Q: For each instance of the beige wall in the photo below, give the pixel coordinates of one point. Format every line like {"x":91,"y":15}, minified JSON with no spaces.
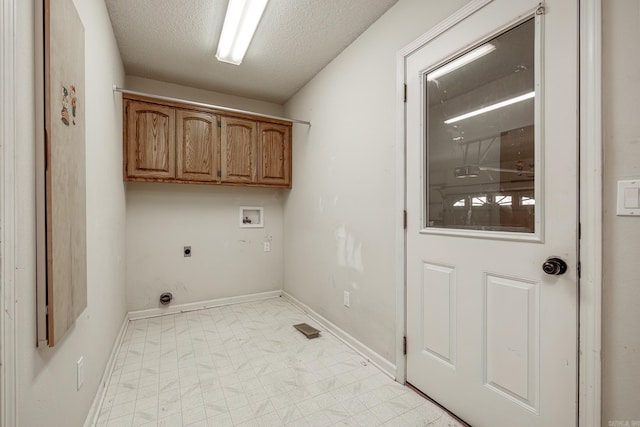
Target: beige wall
{"x":46,"y":378}
{"x":157,"y":87}
{"x":621,"y":287}
{"x":340,"y":215}
{"x":163,"y":218}
{"x":226,"y":260}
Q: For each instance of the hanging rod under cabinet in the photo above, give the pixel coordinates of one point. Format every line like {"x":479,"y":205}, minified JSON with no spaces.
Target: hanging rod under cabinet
{"x":202,"y":104}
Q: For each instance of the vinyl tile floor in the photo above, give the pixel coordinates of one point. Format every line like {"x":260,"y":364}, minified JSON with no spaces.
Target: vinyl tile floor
{"x":245,"y":365}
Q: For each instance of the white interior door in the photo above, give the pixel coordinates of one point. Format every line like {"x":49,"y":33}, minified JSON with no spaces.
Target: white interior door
{"x":491,"y":125}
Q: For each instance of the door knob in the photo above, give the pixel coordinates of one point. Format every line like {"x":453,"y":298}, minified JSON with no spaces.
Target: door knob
{"x":554,"y":266}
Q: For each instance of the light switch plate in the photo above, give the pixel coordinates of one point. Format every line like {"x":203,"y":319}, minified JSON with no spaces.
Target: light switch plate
{"x":628,"y":197}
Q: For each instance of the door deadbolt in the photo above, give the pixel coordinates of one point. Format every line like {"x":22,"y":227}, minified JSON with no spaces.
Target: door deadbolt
{"x":554,"y":266}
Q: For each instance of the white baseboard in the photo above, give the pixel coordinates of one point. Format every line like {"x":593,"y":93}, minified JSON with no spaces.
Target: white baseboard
{"x":374,"y":358}
{"x":201,"y":305}
{"x":96,"y":406}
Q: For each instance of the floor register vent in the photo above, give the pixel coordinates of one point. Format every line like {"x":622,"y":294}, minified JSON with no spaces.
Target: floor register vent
{"x":307,"y":330}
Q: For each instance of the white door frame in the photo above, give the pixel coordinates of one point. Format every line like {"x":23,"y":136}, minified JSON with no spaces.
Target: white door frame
{"x":8,"y":389}
{"x":590,"y":248}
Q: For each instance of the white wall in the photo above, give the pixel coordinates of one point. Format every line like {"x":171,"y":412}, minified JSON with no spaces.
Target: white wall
{"x":47,"y":392}
{"x":621,"y":239}
{"x":163,"y":218}
{"x":156,"y":87}
{"x":340,"y":215}
{"x":226,"y":260}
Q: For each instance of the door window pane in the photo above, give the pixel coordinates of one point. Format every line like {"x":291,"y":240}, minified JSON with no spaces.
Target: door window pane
{"x":480,"y":136}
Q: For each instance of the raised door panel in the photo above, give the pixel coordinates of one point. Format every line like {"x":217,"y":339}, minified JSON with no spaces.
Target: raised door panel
{"x":150,"y":141}
{"x":239,"y":150}
{"x":198,"y":146}
{"x":275,"y":148}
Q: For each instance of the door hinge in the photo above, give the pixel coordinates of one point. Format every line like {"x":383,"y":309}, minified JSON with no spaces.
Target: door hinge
{"x":219,"y":122}
{"x":404,"y":346}
{"x":404,"y":219}
{"x":579,"y":269}
{"x":405,"y":92}
{"x":579,"y":231}
{"x":46,"y":150}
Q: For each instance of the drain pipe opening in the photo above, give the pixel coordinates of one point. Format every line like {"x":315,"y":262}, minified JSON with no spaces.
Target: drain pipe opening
{"x":165,"y":298}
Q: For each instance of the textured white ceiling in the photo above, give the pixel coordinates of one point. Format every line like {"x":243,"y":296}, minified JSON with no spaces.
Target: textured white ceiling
{"x":175,"y":41}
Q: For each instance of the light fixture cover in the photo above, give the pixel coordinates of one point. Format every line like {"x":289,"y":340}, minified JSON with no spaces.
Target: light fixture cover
{"x":467,"y":171}
{"x":240,"y":24}
{"x":492,"y":107}
{"x":471,"y":56}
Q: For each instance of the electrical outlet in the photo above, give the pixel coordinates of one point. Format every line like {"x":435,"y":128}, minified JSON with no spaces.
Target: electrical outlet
{"x":80,"y":371}
{"x":346,"y":299}
{"x":267,"y":246}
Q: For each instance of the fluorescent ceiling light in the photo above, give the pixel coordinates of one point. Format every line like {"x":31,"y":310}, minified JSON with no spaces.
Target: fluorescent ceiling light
{"x":240,"y":24}
{"x":492,"y":107}
{"x":463,"y":60}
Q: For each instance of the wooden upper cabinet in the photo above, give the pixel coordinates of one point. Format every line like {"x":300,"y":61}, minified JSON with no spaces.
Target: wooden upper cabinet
{"x":275,"y":148}
{"x":197,"y":146}
{"x":150,"y":140}
{"x":239,"y":150}
{"x":167,"y":141}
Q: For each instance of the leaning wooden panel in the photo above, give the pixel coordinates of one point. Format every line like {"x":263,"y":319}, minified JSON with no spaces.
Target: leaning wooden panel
{"x":65,"y":185}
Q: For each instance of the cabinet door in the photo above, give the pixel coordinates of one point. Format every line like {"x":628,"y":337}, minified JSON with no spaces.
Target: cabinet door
{"x":197,"y":146}
{"x":275,"y":150}
{"x":239,"y":150}
{"x":150,"y":141}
